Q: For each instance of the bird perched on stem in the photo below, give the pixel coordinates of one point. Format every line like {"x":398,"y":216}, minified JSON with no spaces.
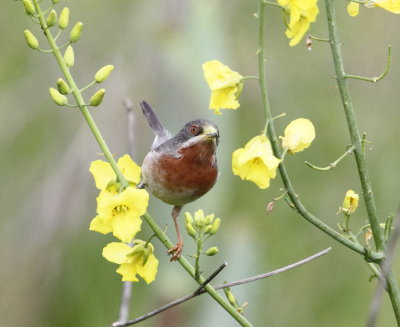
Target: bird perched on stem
{"x":182,"y":168}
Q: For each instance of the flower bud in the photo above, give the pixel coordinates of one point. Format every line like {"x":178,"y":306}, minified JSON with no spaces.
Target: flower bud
{"x":55,"y":1}
{"x":212,"y":251}
{"x":76,"y":32}
{"x":190,"y":230}
{"x":229,"y":295}
{"x":69,"y":56}
{"x":208,"y":229}
{"x":215,"y":226}
{"x":29,"y":7}
{"x":350,"y":202}
{"x":51,"y":19}
{"x":148,"y":250}
{"x":63,"y":87}
{"x":57,"y":97}
{"x":97,"y":98}
{"x":209,"y":219}
{"x":103,"y":73}
{"x":188,"y":218}
{"x":31,"y":40}
{"x":64,"y":18}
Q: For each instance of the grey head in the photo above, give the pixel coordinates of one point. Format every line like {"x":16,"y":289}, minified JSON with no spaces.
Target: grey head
{"x":194,"y":131}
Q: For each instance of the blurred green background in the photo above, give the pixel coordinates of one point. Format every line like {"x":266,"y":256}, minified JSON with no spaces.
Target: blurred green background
{"x":52,"y":272}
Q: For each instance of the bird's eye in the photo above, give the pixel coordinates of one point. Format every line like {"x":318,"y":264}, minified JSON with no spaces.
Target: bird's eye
{"x":194,"y":129}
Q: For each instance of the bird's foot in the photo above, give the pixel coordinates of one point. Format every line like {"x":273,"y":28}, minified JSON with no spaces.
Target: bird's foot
{"x":176,"y":251}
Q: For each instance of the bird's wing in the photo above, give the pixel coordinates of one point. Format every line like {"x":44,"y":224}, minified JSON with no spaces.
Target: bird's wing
{"x":161,"y":133}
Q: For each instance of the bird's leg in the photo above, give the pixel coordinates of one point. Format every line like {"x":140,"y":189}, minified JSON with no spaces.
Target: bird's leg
{"x":176,"y":251}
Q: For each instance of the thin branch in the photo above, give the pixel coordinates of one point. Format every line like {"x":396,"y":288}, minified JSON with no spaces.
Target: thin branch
{"x":386,"y":267}
{"x":377,"y":78}
{"x":333,"y":164}
{"x":274,"y":272}
{"x":200,"y":290}
{"x":131,"y":121}
{"x":125,"y":302}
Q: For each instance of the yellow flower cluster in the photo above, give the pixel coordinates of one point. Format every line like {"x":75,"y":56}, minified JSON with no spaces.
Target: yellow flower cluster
{"x":118,"y":212}
{"x":256,"y":161}
{"x":301,"y":14}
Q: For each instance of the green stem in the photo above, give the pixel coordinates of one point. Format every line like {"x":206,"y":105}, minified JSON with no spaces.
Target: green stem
{"x":199,"y":244}
{"x":78,"y":97}
{"x":189,"y":268}
{"x":333,"y":164}
{"x":374,"y":256}
{"x":358,"y":152}
{"x":107,"y":153}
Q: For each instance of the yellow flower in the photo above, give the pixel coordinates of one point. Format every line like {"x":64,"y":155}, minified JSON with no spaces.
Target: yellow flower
{"x":302,"y":13}
{"x":138,"y":260}
{"x":255,"y":162}
{"x":103,"y":173}
{"x":389,"y":5}
{"x":298,"y":135}
{"x":353,"y":8}
{"x":350,"y":202}
{"x":120,"y":213}
{"x":225,"y":85}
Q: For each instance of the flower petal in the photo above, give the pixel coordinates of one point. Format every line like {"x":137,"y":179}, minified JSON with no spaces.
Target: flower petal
{"x":149,"y":270}
{"x":128,"y":272}
{"x":116,"y":252}
{"x":101,"y":224}
{"x":126,"y":226}
{"x":129,"y":169}
{"x":102,"y":173}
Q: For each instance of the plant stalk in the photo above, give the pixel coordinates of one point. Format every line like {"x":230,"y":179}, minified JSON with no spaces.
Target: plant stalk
{"x":358,"y":152}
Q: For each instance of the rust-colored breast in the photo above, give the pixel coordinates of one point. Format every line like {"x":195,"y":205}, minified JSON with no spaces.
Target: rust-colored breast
{"x":190,"y":176}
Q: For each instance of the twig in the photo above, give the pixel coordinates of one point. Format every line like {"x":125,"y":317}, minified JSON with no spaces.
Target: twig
{"x":200,"y":290}
{"x":274,"y":272}
{"x":386,"y":267}
{"x":131,"y":121}
{"x":125,"y":302}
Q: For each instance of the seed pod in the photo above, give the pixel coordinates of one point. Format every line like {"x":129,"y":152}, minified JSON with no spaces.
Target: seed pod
{"x":97,"y":98}
{"x":212,"y":251}
{"x":29,"y":7}
{"x":103,"y":73}
{"x":69,"y":56}
{"x":31,"y":40}
{"x":57,"y":97}
{"x":76,"y":32}
{"x":51,"y":19}
{"x":64,"y":18}
{"x":63,"y":87}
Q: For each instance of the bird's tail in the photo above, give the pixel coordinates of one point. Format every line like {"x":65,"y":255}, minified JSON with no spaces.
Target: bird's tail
{"x":162,"y":134}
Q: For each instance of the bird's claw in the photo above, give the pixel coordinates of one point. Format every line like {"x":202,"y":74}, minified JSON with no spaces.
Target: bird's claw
{"x":176,"y":251}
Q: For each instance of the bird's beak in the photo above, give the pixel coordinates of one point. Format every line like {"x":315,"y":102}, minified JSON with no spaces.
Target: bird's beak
{"x":211,"y":131}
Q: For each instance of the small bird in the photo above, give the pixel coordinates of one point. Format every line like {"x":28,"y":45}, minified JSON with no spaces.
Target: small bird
{"x":182,"y":168}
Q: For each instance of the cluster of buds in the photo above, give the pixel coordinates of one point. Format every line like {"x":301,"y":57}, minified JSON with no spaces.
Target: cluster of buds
{"x":61,"y":21}
{"x":201,"y":226}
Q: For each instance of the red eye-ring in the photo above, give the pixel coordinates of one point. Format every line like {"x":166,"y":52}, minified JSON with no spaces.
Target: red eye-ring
{"x":194,"y":129}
